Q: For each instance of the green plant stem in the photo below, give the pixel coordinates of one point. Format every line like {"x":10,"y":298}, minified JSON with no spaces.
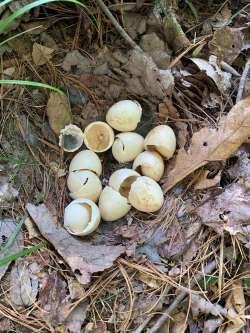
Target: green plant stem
{"x":18,"y":35}
{"x":13,"y":236}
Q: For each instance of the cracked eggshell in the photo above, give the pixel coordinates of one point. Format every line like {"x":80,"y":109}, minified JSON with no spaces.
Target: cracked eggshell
{"x":112,"y":205}
{"x":71,"y":138}
{"x":146,"y":195}
{"x":81,"y":217}
{"x":122,"y":179}
{"x":124,"y":116}
{"x":86,"y":160}
{"x":84,"y":184}
{"x":98,"y":136}
{"x":161,"y":139}
{"x":150,"y":164}
{"x":127,"y":146}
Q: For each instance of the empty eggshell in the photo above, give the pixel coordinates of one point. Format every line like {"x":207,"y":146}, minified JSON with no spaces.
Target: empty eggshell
{"x":112,"y":204}
{"x":127,"y":146}
{"x":81,"y":217}
{"x":146,"y":195}
{"x":124,"y":116}
{"x":98,"y":136}
{"x":122,"y":179}
{"x":71,"y":138}
{"x":161,"y":139}
{"x":149,"y":163}
{"x":86,"y":160}
{"x":84,"y":184}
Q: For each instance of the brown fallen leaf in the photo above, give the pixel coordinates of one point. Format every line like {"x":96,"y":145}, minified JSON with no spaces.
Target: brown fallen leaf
{"x":83,"y":258}
{"x":227,"y":43}
{"x":41,"y":54}
{"x":58,"y":111}
{"x":210,"y":144}
{"x":228,"y":211}
{"x":236,"y":305}
{"x":204,"y":181}
{"x":23,"y":283}
{"x":7,"y":227}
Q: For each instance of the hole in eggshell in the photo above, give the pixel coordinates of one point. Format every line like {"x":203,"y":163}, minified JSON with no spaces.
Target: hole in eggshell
{"x":151,"y":147}
{"x":139,"y":169}
{"x":70,"y":142}
{"x":126,"y":185}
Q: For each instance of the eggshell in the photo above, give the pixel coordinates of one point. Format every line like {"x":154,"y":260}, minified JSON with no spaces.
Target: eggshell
{"x":149,"y":163}
{"x":86,"y":160}
{"x":121,"y":180}
{"x":127,"y":146}
{"x":98,"y":136}
{"x":71,"y":138}
{"x":124,"y":115}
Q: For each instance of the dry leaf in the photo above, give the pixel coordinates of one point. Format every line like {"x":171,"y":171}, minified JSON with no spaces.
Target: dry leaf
{"x":204,"y":182}
{"x":211,"y":325}
{"x":23,"y":283}
{"x":228,"y":211}
{"x":7,"y":192}
{"x":212,"y":144}
{"x":200,"y":305}
{"x":41,"y":54}
{"x":83,"y":257}
{"x":76,"y":318}
{"x":58,"y":111}
{"x":7,"y":227}
{"x":179,"y":324}
{"x":227,"y":43}
{"x":236,"y":309}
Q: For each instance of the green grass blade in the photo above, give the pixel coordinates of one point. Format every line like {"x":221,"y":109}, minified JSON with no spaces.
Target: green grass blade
{"x":18,"y":35}
{"x":13,"y":236}
{"x":10,"y":159}
{"x":23,"y":253}
{"x":5,"y":2}
{"x":32,"y":84}
{"x":193,"y":9}
{"x":9,"y":19}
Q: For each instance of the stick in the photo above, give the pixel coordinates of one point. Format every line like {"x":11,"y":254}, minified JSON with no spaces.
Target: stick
{"x":243,"y":81}
{"x":162,"y":319}
{"x":121,"y":31}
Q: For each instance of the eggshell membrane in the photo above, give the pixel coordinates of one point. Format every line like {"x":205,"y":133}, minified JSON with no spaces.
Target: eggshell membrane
{"x":146,"y":195}
{"x":81,"y":217}
{"x":112,"y":205}
{"x":124,"y":115}
{"x":150,"y":164}
{"x":84,"y":184}
{"x":127,"y":146}
{"x":71,"y":138}
{"x":98,"y":136}
{"x":161,"y":139}
{"x":122,"y":179}
{"x":86,"y":160}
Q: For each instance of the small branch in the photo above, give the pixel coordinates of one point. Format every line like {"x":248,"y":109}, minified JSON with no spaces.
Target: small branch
{"x":118,"y":27}
{"x":243,"y":81}
{"x":162,"y":319}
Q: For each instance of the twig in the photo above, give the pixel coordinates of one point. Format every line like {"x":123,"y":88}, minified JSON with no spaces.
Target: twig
{"x":243,"y":81}
{"x":121,"y":31}
{"x":161,"y":320}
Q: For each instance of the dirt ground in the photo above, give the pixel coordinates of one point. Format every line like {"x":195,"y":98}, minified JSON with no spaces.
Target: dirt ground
{"x":182,"y":269}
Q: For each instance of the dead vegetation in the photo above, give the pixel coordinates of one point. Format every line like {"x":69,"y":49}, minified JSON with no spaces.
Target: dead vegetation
{"x":185,"y":269}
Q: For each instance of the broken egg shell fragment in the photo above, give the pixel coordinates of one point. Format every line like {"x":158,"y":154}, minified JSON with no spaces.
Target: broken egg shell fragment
{"x":150,"y":164}
{"x":124,"y":115}
{"x":71,"y":138}
{"x":98,"y":136}
{"x":112,"y":205}
{"x":162,"y":140}
{"x":84,"y":184}
{"x":127,"y":146}
{"x":146,"y":195}
{"x":86,"y":160}
{"x":81,"y":217}
{"x":121,"y":180}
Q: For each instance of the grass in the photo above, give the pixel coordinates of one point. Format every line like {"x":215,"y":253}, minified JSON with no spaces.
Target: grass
{"x":32,"y":84}
{"x":13,"y":236}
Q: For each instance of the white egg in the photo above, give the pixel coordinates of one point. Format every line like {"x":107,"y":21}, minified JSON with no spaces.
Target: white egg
{"x":84,"y":184}
{"x":127,"y":146}
{"x":162,"y":140}
{"x":81,"y":217}
{"x":121,"y":180}
{"x":149,"y":163}
{"x":112,"y":204}
{"x":86,"y":160}
{"x":98,"y":136}
{"x":146,"y":195}
{"x":71,"y":138}
{"x":124,"y":116}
